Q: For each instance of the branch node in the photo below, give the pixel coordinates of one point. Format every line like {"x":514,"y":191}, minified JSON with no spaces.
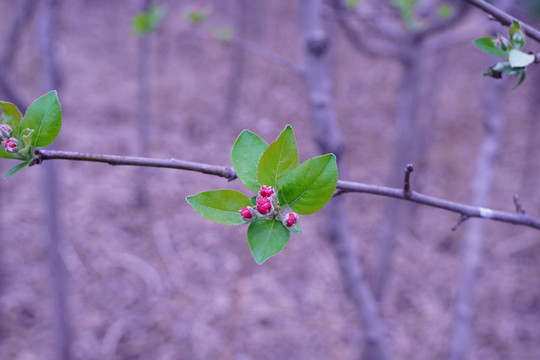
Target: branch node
{"x":519,"y":208}
{"x":461,"y":220}
{"x":407,"y":191}
{"x":230,"y":174}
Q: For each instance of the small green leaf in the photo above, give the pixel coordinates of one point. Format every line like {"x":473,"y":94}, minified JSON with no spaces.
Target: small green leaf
{"x":266,"y":238}
{"x":490,"y":45}
{"x":309,"y":187}
{"x":16,"y":168}
{"x":245,"y":155}
{"x":518,"y":58}
{"x":44,"y":116}
{"x":220,"y":206}
{"x":278,"y":160}
{"x":445,"y":11}
{"x":146,"y":22}
{"x":198,"y":14}
{"x":521,"y":79}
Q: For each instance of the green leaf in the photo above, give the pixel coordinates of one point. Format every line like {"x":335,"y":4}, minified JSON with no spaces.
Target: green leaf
{"x":488,"y":45}
{"x":309,"y":187}
{"x":266,"y":238}
{"x":146,"y":22}
{"x":518,"y":58}
{"x":16,"y":168}
{"x":220,"y":206}
{"x":521,"y":79}
{"x":44,"y":116}
{"x":245,"y":155}
{"x":10,"y":115}
{"x":278,"y":160}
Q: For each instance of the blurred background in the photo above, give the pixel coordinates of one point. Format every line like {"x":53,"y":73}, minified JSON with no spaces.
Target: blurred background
{"x":102,"y":262}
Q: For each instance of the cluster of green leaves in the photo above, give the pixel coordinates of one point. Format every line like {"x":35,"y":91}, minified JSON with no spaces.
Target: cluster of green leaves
{"x":147,"y":21}
{"x":509,"y":50}
{"x":303,"y":188}
{"x":38,"y":128}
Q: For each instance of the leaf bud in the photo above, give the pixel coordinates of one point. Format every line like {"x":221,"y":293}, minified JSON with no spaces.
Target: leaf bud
{"x":5,"y":131}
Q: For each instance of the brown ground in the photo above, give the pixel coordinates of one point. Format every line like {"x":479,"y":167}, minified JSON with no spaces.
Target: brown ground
{"x":163,"y":283}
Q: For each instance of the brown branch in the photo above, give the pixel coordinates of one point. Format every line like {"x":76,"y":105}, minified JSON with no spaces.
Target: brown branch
{"x":343,"y":186}
{"x":505,"y":18}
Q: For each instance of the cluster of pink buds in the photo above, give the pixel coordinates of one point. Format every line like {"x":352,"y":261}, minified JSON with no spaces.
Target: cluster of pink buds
{"x":267,"y":206}
{"x":10,"y":144}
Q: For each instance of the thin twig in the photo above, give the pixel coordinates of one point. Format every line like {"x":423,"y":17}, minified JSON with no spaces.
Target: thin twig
{"x":344,"y":186}
{"x":266,"y":54}
{"x":505,"y":18}
{"x":407,"y":184}
{"x":517,"y":203}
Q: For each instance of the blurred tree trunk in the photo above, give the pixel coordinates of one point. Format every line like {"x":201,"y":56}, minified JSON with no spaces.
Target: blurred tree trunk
{"x":406,"y":151}
{"x":51,"y":191}
{"x":329,"y":139}
{"x":24,"y":14}
{"x":482,"y":181}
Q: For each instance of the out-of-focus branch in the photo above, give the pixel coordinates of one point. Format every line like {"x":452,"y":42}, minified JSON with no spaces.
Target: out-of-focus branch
{"x":227,"y":172}
{"x":504,"y":18}
{"x":366,"y":43}
{"x":266,"y":54}
{"x":473,"y":235}
{"x":443,"y":24}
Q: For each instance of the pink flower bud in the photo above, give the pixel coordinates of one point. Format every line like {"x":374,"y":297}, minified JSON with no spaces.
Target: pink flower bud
{"x":290,"y":220}
{"x":5,"y":131}
{"x":264,"y":206}
{"x":266,"y":191}
{"x":246,"y":213}
{"x":11,"y":145}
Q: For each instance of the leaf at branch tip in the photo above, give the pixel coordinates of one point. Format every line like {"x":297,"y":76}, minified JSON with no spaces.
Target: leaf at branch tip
{"x":16,"y":168}
{"x":245,"y":154}
{"x":44,"y":116}
{"x":488,"y":45}
{"x":309,"y":187}
{"x":278,"y":160}
{"x":266,"y":238}
{"x":518,"y":58}
{"x":220,"y":206}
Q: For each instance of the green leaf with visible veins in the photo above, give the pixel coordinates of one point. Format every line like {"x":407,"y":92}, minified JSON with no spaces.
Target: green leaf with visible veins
{"x":44,"y":116}
{"x":309,"y":187}
{"x":266,"y":238}
{"x":245,"y":155}
{"x":220,"y":206}
{"x":278,"y":160}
